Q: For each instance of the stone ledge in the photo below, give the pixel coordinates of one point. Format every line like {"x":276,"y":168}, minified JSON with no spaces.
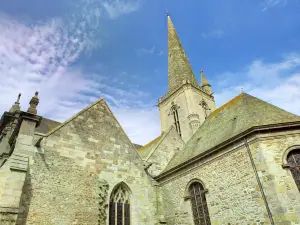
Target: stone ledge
{"x":19,"y":162}
{"x":9,"y":210}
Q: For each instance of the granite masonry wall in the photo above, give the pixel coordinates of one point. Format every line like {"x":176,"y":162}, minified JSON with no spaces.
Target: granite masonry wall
{"x":70,"y":180}
{"x":168,"y":146}
{"x":269,"y":153}
{"x":233,"y":195}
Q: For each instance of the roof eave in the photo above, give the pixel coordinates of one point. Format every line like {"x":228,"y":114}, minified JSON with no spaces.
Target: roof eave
{"x":250,"y":131}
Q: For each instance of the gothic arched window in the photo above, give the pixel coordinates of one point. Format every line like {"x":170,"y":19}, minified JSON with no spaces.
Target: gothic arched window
{"x":174,"y":113}
{"x":293,"y":160}
{"x":119,"y":206}
{"x":199,"y":205}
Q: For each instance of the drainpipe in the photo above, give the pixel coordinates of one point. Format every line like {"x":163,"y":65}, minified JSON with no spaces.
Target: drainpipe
{"x":259,"y":182}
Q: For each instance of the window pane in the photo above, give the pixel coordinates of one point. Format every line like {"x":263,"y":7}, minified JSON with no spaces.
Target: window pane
{"x":294,"y":161}
{"x":198,"y":203}
{"x":119,"y":213}
{"x":112,"y":211}
{"x":127,"y":214}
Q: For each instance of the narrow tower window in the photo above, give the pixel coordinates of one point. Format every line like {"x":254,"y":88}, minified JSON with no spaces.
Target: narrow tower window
{"x":174,"y":112}
{"x":199,"y":205}
{"x":294,"y":163}
{"x":119,"y":206}
{"x":205,"y":107}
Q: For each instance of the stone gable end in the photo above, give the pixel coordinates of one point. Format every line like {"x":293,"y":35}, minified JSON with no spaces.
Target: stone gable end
{"x":82,"y":161}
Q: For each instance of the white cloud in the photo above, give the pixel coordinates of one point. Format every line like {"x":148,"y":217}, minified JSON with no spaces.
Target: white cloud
{"x":116,"y":8}
{"x":149,"y":51}
{"x":142,"y":124}
{"x":272,"y":3}
{"x":145,"y":51}
{"x":277,"y":83}
{"x":40,"y":57}
{"x":217,"y":34}
{"x":160,"y":53}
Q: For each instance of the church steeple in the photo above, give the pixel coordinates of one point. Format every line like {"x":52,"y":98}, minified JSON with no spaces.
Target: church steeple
{"x":179,"y":68}
{"x":205,"y":85}
{"x":187,"y":104}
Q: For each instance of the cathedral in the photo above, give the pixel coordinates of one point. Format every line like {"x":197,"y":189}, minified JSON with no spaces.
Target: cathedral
{"x":236,"y":164}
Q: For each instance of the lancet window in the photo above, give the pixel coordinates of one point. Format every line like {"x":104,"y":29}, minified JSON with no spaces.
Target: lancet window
{"x":174,"y":113}
{"x":199,"y":205}
{"x":293,"y":160}
{"x":119,"y":206}
{"x":205,"y":107}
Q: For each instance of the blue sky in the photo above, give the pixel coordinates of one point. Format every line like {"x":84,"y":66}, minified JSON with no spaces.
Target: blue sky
{"x":74,"y":52}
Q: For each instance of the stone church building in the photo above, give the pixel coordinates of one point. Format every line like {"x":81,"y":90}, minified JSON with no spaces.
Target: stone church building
{"x":236,"y":164}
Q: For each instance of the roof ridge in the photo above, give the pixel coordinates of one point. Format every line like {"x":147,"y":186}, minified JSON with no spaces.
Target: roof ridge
{"x":163,"y":136}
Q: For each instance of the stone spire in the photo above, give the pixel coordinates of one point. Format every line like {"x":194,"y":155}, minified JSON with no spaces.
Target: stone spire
{"x":204,"y":81}
{"x":179,"y":68}
{"x":205,"y":85}
{"x":33,"y":104}
{"x":16,"y":106}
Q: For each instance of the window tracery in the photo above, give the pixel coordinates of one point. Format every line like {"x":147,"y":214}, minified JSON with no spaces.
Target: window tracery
{"x":199,"y":205}
{"x":293,"y":160}
{"x":174,"y":112}
{"x":119,"y":206}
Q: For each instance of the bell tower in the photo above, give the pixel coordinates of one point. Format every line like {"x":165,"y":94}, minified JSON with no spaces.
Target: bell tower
{"x":186,"y":104}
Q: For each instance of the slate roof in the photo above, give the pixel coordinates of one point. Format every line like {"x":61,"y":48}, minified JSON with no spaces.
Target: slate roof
{"x":145,"y":150}
{"x":238,"y":115}
{"x":46,"y":125}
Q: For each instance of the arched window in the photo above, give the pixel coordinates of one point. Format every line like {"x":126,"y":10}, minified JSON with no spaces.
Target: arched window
{"x":119,"y":206}
{"x":174,"y":112}
{"x":199,"y":205}
{"x":293,"y":160}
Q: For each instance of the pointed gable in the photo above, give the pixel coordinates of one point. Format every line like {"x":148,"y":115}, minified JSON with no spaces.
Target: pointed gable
{"x":93,"y":137}
{"x":236,"y":116}
{"x":179,"y":68}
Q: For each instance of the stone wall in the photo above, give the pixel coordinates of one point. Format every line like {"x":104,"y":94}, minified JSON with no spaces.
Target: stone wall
{"x":280,"y":189}
{"x":233,"y":194}
{"x":188,"y":99}
{"x":80,"y":163}
{"x":169,"y":145}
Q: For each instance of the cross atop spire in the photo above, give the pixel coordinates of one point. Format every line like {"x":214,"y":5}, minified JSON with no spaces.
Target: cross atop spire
{"x":179,"y":68}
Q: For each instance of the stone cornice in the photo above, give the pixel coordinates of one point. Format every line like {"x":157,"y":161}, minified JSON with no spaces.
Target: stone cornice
{"x":235,"y":139}
{"x":186,"y":84}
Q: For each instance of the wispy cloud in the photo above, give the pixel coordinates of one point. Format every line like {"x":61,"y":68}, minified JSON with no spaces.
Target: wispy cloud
{"x":277,"y":83}
{"x":116,"y":8}
{"x":217,"y":34}
{"x":145,"y":51}
{"x":272,"y":3}
{"x":149,"y":51}
{"x":41,"y":57}
{"x":160,"y":53}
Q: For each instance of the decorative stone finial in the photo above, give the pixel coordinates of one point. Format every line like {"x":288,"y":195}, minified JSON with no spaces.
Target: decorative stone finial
{"x":204,"y":81}
{"x":16,"y":106}
{"x":33,"y":103}
{"x":18,"y":100}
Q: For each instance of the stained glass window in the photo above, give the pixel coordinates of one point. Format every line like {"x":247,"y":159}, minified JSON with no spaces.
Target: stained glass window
{"x":294,"y":163}
{"x":119,"y":206}
{"x":199,"y":205}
